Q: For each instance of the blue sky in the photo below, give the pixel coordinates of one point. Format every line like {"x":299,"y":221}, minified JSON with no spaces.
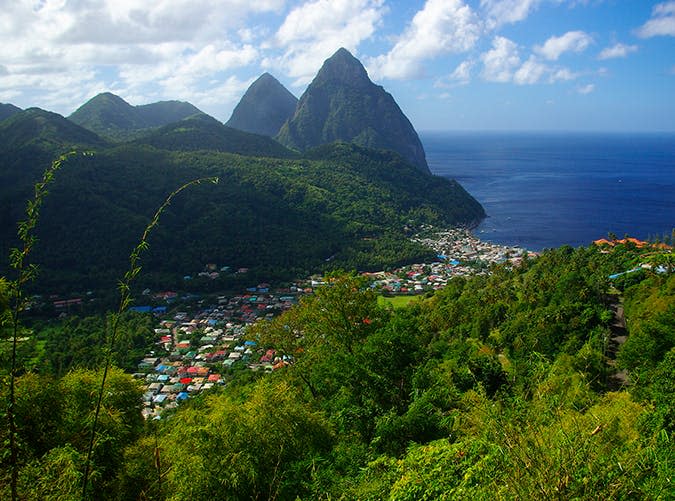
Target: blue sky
{"x":600,"y":65}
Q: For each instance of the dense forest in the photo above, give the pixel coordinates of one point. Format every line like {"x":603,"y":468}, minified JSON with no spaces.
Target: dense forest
{"x":339,"y":206}
{"x":500,"y":386}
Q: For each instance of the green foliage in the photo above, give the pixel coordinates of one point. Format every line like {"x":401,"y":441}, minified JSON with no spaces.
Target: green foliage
{"x":113,"y":118}
{"x":495,"y":387}
{"x":52,"y":418}
{"x":78,"y":342}
{"x":259,"y":444}
{"x":202,"y":132}
{"x":344,"y":207}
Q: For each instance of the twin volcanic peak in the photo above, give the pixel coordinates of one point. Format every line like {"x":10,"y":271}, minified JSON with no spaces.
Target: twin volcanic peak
{"x":342,"y":104}
{"x":264,"y":108}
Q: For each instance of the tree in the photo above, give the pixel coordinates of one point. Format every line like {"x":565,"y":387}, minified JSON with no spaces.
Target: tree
{"x":258,"y":444}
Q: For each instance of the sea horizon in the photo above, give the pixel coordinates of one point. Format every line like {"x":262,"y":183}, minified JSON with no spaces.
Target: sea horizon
{"x":543,"y":189}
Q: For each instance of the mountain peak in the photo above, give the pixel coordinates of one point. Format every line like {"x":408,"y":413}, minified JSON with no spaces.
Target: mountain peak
{"x":264,"y":108}
{"x":344,"y":67}
{"x":112,"y":117}
{"x":342,"y":104}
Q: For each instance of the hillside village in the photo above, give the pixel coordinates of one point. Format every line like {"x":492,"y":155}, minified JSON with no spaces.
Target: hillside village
{"x":196,"y":351}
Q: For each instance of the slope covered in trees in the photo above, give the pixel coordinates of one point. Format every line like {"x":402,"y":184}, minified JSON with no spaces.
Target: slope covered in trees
{"x":494,"y":388}
{"x":203,"y":132}
{"x":283,"y":218}
{"x":7,"y":110}
{"x":112,"y":117}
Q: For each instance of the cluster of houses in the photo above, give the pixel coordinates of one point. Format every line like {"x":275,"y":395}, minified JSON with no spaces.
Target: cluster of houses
{"x":459,"y":254}
{"x":200,"y":348}
{"x":196,"y":350}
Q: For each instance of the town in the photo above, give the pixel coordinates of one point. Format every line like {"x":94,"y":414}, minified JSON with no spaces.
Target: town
{"x":200,"y":347}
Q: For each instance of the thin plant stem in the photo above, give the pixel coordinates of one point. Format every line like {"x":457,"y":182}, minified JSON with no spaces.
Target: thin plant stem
{"x":25,"y":273}
{"x":124,"y":288}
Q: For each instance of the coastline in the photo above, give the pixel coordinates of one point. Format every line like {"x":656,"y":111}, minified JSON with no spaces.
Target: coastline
{"x":459,"y":253}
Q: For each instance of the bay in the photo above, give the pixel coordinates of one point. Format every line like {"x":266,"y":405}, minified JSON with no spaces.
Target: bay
{"x":543,"y":190}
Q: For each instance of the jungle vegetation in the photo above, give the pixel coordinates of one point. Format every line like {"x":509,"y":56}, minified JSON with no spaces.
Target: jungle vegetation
{"x":496,"y":387}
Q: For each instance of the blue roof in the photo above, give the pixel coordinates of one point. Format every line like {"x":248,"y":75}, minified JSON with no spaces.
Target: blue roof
{"x":141,"y":309}
{"x":183,"y":395}
{"x":250,"y":343}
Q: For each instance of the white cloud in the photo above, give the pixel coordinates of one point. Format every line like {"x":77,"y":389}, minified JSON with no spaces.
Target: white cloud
{"x":500,"y":63}
{"x":531,"y":72}
{"x":315,"y":30}
{"x":463,"y":72}
{"x":572,"y":41}
{"x":43,"y":44}
{"x":503,"y":64}
{"x":562,"y":75}
{"x":586,"y":89}
{"x":618,"y":50}
{"x":662,"y":21}
{"x":441,"y":27}
{"x":500,"y":12}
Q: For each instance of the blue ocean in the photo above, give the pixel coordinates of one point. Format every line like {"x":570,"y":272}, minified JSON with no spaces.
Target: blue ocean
{"x":543,"y":190}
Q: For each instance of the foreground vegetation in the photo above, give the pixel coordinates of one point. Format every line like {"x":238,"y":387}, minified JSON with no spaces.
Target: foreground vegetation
{"x":497,"y":387}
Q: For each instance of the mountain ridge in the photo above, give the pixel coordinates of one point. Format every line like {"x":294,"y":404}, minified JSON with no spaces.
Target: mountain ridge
{"x":112,"y":117}
{"x":203,"y":132}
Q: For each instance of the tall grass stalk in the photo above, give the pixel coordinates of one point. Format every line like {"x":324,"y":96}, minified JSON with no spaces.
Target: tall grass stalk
{"x":124,"y":288}
{"x":18,"y":259}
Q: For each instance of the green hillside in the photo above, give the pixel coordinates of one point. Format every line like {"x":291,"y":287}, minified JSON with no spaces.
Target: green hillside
{"x":497,"y":387}
{"x":7,"y":110}
{"x":341,"y":206}
{"x":203,"y":132}
{"x":112,"y":117}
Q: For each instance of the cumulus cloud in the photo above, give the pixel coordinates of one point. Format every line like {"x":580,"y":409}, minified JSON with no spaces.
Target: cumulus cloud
{"x":441,"y":27}
{"x":501,"y":12}
{"x":461,"y":75}
{"x":313,"y":31}
{"x":500,"y":62}
{"x":503,"y":64}
{"x":531,"y":72}
{"x":618,"y":50}
{"x":572,"y":41}
{"x":662,"y":21}
{"x":44,"y":43}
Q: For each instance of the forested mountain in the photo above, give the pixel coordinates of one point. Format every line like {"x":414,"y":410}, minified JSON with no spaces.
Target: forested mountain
{"x":342,"y":104}
{"x":45,"y":130}
{"x":264,"y":108}
{"x":341,"y":206}
{"x":7,"y":110}
{"x":112,"y":117}
{"x":203,"y":132}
